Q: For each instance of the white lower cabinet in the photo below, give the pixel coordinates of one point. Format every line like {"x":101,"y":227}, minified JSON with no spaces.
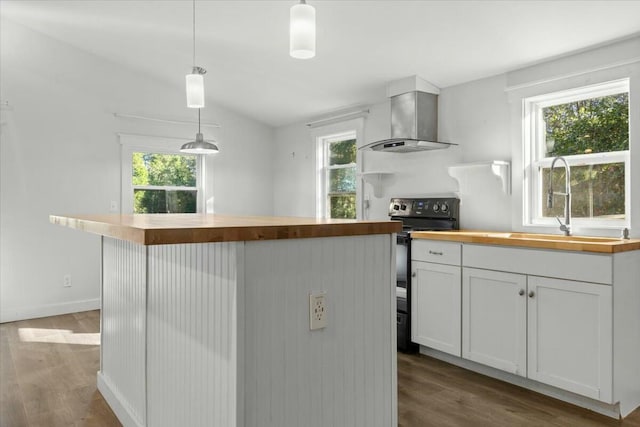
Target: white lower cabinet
{"x":435,"y":306}
{"x":494,"y":319}
{"x":570,"y":335}
{"x":568,"y":320}
{"x":557,"y":332}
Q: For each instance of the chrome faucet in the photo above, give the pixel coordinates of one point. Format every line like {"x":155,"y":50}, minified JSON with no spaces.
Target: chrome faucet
{"x":566,"y":227}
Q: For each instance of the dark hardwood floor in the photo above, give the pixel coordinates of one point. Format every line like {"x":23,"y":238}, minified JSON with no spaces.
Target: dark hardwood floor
{"x":48,"y":378}
{"x":435,"y":393}
{"x":48,"y":373}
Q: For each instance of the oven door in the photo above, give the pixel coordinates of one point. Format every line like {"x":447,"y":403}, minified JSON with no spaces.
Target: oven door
{"x":403,"y":293}
{"x":402,"y":262}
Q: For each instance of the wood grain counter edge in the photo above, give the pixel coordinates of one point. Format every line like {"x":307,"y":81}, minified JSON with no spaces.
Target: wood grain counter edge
{"x":275,"y":229}
{"x":566,"y":245}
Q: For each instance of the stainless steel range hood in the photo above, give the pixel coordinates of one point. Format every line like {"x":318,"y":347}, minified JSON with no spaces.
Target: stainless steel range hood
{"x":414,"y":124}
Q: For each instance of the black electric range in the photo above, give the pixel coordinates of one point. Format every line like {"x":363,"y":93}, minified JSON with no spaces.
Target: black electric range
{"x":416,"y":214}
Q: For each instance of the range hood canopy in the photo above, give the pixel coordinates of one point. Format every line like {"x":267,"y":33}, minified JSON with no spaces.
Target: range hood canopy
{"x":414,"y":124}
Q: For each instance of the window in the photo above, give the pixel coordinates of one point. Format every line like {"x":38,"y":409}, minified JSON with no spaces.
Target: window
{"x":164,"y":183}
{"x":589,"y":127}
{"x":157,"y":178}
{"x":337,"y":183}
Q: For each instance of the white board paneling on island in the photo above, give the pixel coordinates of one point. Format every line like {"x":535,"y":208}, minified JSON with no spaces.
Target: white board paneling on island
{"x":192,"y":315}
{"x":123,"y":344}
{"x":331,"y":376}
{"x":217,"y":334}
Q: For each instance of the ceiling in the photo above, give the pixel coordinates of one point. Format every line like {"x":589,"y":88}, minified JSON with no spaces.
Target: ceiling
{"x":361,"y":45}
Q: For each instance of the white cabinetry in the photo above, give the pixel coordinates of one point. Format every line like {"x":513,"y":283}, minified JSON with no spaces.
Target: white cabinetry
{"x":435,"y":290}
{"x":562,"y":327}
{"x":563,"y":323}
{"x":494,"y":314}
{"x":570,"y":336}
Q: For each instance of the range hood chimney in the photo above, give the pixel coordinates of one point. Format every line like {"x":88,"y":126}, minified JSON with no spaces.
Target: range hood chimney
{"x":414,"y":124}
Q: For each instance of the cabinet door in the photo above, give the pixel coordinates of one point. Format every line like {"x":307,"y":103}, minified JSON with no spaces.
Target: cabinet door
{"x":436,"y":306}
{"x":494,"y":316}
{"x":570,"y":336}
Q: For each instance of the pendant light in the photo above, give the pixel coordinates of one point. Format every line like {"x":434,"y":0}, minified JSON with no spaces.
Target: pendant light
{"x":195,"y":80}
{"x":199,"y":146}
{"x":302,"y":31}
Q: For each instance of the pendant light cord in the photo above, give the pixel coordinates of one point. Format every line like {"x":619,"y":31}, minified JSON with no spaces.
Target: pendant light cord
{"x":194,"y":33}
{"x":199,"y":120}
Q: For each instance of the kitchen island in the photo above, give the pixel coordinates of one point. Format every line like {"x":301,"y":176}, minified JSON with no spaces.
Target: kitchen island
{"x":206,"y":320}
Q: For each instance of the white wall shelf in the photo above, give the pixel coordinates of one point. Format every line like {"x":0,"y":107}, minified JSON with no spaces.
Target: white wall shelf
{"x":501,"y":169}
{"x":376,"y":179}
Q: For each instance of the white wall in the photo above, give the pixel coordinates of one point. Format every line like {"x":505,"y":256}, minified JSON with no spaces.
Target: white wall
{"x":294,"y":172}
{"x":474,"y":116}
{"x":60,"y":154}
{"x":479,"y":117}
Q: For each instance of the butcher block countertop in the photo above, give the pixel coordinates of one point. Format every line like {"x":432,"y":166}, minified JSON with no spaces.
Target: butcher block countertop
{"x":533,"y":240}
{"x":162,"y":229}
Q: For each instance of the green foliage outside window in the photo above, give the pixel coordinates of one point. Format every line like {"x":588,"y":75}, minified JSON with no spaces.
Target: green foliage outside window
{"x":342,"y":179}
{"x":343,"y":206}
{"x":596,"y":191}
{"x":595,"y":125}
{"x":172,"y":170}
{"x":342,"y":152}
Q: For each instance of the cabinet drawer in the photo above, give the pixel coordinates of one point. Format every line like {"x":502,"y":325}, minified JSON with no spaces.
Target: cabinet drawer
{"x":436,"y":251}
{"x":595,"y":268}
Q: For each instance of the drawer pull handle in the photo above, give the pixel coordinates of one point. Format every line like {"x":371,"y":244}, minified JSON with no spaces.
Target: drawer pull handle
{"x":532,"y":294}
{"x":413,"y":274}
{"x":434,"y":252}
{"x":521,"y":292}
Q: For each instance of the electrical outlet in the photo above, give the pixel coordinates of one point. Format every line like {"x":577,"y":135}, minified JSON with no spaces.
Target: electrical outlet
{"x":66,"y":281}
{"x":317,"y":310}
{"x":113,"y":207}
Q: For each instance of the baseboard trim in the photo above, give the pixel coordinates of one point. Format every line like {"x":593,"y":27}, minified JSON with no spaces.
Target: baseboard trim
{"x":609,"y":410}
{"x":24,"y":313}
{"x":116,"y":403}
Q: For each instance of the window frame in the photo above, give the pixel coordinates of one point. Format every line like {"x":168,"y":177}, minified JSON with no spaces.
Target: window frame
{"x":534,"y":151}
{"x":323,"y":194}
{"x":158,"y":146}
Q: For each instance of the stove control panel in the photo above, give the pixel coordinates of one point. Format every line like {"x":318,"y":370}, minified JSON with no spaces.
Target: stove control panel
{"x":433,"y":207}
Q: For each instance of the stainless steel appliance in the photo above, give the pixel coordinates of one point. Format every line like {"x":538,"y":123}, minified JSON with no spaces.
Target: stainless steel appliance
{"x":416,"y":214}
{"x":414,"y":124}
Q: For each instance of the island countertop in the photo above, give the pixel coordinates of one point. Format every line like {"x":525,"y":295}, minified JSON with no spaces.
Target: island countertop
{"x":162,"y":229}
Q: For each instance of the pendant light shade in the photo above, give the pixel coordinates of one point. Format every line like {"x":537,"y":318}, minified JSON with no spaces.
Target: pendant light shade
{"x":199,"y":146}
{"x":195,"y":88}
{"x":302,"y":31}
{"x":195,"y":80}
